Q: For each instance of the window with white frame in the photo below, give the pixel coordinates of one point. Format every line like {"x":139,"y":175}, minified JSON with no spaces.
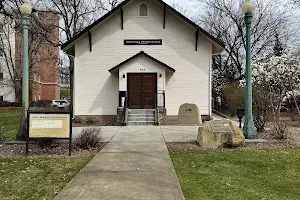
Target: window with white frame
{"x":143,"y":10}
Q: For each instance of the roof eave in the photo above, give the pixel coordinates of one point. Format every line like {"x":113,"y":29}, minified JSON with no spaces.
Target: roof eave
{"x":137,"y":55}
{"x":217,"y":49}
{"x":84,"y":31}
{"x":72,"y":40}
{"x":219,"y":42}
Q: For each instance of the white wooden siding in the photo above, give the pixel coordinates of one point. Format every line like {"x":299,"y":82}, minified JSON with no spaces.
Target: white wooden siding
{"x":97,"y":90}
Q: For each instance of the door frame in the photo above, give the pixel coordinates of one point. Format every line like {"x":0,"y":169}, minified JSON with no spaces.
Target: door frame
{"x":155,"y":74}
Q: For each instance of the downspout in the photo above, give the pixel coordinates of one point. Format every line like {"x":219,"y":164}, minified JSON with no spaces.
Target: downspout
{"x":71,"y":68}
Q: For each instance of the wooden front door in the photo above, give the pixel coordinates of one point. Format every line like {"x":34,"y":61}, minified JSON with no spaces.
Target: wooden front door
{"x":142,"y":91}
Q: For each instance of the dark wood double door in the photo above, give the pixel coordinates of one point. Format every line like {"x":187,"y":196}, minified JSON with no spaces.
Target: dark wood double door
{"x":142,"y":91}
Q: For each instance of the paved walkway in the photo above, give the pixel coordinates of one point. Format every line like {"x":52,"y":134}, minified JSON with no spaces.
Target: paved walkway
{"x":169,"y":133}
{"x":135,"y":165}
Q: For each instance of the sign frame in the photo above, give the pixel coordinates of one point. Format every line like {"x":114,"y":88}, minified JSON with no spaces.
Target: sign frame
{"x":28,"y":138}
{"x":143,"y":42}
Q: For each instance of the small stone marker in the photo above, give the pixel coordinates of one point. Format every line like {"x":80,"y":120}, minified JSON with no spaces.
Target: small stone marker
{"x":220,"y":133}
{"x":189,"y":114}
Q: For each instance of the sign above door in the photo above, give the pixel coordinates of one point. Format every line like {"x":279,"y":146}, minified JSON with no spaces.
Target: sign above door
{"x":142,"y":42}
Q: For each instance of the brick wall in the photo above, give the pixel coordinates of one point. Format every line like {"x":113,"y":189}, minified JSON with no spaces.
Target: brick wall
{"x":44,"y":66}
{"x":50,"y":92}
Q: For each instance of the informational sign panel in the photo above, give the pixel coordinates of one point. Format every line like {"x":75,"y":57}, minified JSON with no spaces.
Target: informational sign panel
{"x":49,"y":125}
{"x":142,"y":42}
{"x":221,"y":127}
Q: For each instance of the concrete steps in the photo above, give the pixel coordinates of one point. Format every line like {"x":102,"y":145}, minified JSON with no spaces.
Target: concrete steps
{"x":138,"y":117}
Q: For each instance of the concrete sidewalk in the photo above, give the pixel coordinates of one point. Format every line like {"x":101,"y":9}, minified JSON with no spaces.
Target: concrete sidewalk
{"x":135,"y":165}
{"x":169,"y":133}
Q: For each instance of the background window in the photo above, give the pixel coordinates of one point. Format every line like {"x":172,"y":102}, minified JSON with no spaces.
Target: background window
{"x":143,"y":10}
{"x":1,"y":76}
{"x":1,"y":52}
{"x":1,"y":98}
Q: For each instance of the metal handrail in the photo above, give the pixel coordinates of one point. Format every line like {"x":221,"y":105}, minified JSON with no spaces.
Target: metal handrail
{"x":125,"y":107}
{"x":158,"y":101}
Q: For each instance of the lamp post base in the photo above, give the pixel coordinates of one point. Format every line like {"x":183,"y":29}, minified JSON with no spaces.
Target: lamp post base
{"x":250,"y":130}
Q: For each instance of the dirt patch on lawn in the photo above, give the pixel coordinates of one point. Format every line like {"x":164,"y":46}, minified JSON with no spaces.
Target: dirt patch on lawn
{"x":56,"y":149}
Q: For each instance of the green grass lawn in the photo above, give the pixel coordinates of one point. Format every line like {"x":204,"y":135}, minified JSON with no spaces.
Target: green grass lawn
{"x":37,"y":178}
{"x":10,"y":120}
{"x":64,"y":92}
{"x":254,"y":174}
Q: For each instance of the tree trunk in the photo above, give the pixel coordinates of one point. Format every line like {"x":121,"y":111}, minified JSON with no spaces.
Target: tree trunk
{"x":296,"y":104}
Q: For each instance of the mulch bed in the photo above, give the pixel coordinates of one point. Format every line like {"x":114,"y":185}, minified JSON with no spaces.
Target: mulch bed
{"x":292,"y":135}
{"x":62,"y":149}
{"x":56,"y":149}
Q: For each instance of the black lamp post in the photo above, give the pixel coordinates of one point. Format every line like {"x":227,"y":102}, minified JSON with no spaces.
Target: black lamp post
{"x":240,"y":112}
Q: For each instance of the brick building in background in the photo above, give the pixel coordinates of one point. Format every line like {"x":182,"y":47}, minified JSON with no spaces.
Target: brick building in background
{"x":44,"y":71}
{"x":44,"y":76}
{"x":49,"y":83}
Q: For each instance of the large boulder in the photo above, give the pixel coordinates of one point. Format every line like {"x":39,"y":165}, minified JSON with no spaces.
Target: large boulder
{"x":220,"y":133}
{"x":189,"y":114}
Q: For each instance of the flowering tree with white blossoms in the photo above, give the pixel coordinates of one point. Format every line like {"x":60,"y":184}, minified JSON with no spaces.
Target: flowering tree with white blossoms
{"x":280,"y":75}
{"x":218,"y":82}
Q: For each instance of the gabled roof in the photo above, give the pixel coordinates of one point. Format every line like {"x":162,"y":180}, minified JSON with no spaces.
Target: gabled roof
{"x":137,"y":55}
{"x":219,"y":42}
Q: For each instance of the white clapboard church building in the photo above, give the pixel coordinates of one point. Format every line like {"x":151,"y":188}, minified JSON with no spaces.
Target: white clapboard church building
{"x":139,"y":63}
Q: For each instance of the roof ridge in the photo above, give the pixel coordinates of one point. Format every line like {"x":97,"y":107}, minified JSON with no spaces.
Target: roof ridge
{"x":187,"y":20}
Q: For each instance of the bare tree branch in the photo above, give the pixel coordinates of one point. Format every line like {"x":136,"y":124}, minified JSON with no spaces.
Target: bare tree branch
{"x":225,"y":20}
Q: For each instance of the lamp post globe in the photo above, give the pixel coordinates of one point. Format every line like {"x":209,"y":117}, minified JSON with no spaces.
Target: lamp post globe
{"x":248,"y":7}
{"x":249,"y":128}
{"x":26,"y":11}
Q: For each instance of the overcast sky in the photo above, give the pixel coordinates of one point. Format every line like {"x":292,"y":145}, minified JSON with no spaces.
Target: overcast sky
{"x":192,"y":6}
